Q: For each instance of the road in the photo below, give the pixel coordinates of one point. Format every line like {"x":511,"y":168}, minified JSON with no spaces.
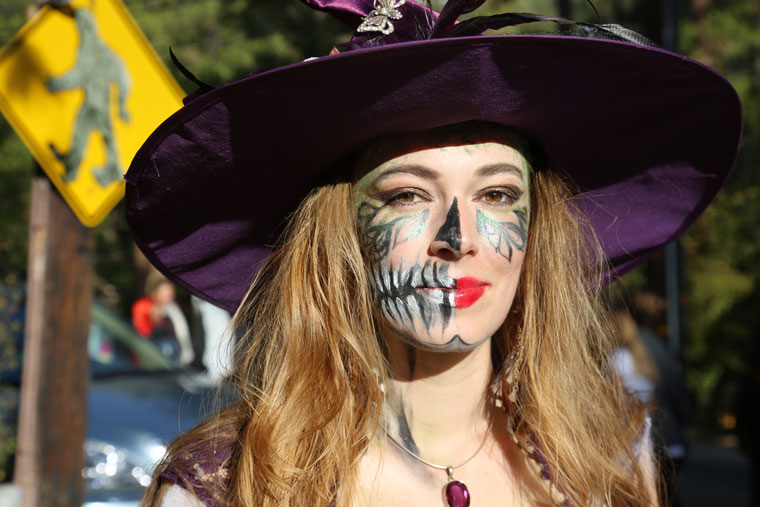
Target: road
{"x":716,"y":476}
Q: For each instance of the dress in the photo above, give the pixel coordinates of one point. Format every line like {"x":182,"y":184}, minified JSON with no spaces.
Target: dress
{"x":201,"y":471}
{"x":198,"y":468}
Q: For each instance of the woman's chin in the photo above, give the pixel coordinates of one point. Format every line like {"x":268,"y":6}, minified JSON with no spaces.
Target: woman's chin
{"x":448,"y":342}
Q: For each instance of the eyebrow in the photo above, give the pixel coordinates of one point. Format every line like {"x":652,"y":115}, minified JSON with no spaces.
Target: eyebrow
{"x":416,"y":170}
{"x":427,"y":173}
{"x":494,"y":169}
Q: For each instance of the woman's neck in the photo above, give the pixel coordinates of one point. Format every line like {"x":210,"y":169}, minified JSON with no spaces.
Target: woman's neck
{"x":436,"y":403}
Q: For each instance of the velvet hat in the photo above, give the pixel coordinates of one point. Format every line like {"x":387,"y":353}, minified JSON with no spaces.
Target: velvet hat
{"x":647,"y":136}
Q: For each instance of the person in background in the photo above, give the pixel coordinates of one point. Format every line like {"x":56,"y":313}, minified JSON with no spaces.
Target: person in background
{"x":632,"y":360}
{"x":158,"y":316}
{"x":671,"y":410}
{"x":217,"y":349}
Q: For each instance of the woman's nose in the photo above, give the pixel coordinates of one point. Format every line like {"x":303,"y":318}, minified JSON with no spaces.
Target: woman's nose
{"x":452,"y":239}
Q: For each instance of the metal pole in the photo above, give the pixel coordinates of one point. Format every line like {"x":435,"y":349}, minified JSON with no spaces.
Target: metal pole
{"x":670,"y":25}
{"x":672,"y":294}
{"x":669,"y":16}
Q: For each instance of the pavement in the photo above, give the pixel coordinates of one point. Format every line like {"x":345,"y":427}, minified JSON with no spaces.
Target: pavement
{"x":716,"y":474}
{"x":10,"y":495}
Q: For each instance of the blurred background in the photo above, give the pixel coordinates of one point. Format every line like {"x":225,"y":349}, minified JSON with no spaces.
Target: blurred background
{"x":712,"y":341}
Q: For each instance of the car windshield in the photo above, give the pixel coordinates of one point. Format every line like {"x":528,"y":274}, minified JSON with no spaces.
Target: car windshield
{"x":115,"y":348}
{"x":113,"y":345}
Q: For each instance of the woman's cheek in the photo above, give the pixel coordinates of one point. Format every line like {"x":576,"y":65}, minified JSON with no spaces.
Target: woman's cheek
{"x":505,"y":233}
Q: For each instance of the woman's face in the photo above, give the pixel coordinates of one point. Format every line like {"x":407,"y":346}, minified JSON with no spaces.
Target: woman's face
{"x":443,"y":219}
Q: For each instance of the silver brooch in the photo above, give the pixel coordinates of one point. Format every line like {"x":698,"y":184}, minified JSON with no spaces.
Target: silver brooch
{"x":379,"y":20}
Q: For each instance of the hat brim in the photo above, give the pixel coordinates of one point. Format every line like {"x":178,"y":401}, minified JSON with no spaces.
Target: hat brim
{"x":648,"y":136}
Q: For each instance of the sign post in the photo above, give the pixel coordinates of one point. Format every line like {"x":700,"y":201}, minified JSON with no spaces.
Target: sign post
{"x":53,"y":407}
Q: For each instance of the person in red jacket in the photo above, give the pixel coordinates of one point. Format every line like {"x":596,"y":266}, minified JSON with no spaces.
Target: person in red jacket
{"x":157,"y":316}
{"x":149,"y":312}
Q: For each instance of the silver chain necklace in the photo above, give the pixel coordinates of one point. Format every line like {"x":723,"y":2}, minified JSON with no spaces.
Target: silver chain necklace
{"x":455,"y":493}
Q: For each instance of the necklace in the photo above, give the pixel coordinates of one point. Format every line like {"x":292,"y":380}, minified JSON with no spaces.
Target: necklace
{"x":455,"y":493}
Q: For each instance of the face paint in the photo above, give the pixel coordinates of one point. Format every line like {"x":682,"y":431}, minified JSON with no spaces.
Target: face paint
{"x":507,"y":236}
{"x":425,"y":292}
{"x":381,"y":237}
{"x":415,"y":292}
{"x":407,"y":440}
{"x":450,"y":232}
{"x":455,"y":344}
{"x":416,"y":204}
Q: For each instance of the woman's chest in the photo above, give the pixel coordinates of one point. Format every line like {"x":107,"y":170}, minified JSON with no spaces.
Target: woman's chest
{"x":389,"y":479}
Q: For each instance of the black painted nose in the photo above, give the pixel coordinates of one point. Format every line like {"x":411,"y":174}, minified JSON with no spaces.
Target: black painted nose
{"x":451,"y":232}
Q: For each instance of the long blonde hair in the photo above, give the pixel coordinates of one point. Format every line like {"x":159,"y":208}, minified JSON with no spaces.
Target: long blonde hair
{"x":570,"y":400}
{"x":310,"y":366}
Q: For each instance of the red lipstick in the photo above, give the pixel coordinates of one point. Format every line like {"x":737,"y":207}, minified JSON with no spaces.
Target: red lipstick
{"x":468,"y":291}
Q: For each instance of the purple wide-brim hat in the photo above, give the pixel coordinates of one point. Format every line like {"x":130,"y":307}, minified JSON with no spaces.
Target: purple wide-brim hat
{"x":648,"y":137}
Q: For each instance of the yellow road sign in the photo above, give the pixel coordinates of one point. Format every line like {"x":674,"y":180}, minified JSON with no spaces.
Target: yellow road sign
{"x":83,"y":88}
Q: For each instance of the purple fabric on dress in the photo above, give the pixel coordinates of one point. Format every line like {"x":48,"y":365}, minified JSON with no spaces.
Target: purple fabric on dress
{"x":203,"y":471}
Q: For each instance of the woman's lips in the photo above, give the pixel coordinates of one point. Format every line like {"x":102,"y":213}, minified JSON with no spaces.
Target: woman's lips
{"x":468,"y":291}
{"x":465,"y":292}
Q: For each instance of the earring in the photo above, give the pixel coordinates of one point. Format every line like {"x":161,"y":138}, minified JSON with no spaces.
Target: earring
{"x":510,"y":396}
{"x":514,"y":358}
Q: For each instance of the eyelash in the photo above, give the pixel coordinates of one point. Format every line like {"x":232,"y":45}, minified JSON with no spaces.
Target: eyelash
{"x":391,"y":198}
{"x":511,"y":195}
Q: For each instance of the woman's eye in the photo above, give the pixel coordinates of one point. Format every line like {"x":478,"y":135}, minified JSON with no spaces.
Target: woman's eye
{"x":404,"y":197}
{"x":496,"y":196}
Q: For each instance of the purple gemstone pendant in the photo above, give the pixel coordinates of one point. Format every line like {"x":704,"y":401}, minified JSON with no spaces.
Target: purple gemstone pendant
{"x":457,"y":494}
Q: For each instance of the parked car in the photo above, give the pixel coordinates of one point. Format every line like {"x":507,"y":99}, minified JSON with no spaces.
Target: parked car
{"x":137,"y":403}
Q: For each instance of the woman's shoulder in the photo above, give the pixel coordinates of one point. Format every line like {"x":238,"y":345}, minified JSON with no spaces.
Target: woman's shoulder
{"x":171,"y":495}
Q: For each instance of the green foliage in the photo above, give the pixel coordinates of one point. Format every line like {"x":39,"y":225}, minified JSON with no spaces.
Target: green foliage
{"x":726,"y":37}
{"x":222,"y":41}
{"x":722,"y":253}
{"x":8,"y":398}
{"x":11,"y":329}
{"x":16,"y":168}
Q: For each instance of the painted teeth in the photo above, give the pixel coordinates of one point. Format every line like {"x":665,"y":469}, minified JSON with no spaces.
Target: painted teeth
{"x":390,"y":310}
{"x":386,"y":277}
{"x":378,"y":281}
{"x":416,"y":280}
{"x":436,"y":295}
{"x":412,"y":304}
{"x":400,"y":300}
{"x":426,"y":274}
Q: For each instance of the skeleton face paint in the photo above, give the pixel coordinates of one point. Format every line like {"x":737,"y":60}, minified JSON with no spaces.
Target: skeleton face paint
{"x":450,"y":233}
{"x":444,"y":225}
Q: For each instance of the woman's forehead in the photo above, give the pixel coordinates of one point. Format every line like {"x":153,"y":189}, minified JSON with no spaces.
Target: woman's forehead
{"x":398,"y":145}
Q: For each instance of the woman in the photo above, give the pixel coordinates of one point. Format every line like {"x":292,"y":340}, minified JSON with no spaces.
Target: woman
{"x":428,"y":324}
